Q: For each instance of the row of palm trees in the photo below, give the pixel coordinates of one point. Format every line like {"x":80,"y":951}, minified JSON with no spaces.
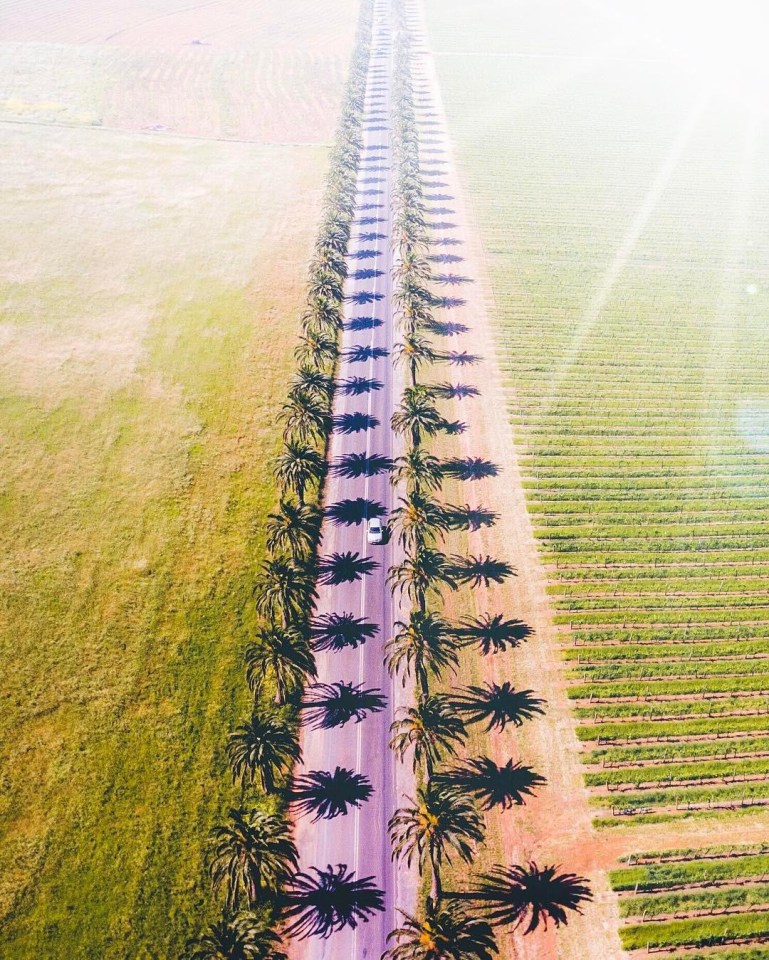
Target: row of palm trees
{"x":254,"y":863}
{"x":444,"y":820}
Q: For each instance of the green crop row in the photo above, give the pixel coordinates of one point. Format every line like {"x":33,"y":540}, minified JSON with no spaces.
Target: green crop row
{"x":712,"y":726}
{"x":673,"y":709}
{"x":648,"y":689}
{"x":739,"y":793}
{"x":671,"y":772}
{"x":688,"y":902}
{"x":689,"y":667}
{"x":659,"y":876}
{"x":668,"y":751}
{"x":703,"y":932}
{"x":638,"y":652}
{"x":672,"y":634}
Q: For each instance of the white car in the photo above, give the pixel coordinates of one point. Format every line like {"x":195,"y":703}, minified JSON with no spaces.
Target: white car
{"x":375,"y":533}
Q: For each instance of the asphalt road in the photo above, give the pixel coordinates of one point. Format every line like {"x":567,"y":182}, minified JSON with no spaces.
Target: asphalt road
{"x":359,"y":839}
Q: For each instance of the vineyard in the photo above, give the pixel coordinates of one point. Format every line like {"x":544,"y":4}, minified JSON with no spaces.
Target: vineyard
{"x":688,"y":899}
{"x":630,"y":287}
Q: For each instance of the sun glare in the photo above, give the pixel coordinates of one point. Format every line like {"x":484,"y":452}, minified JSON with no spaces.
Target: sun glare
{"x":724,"y":45}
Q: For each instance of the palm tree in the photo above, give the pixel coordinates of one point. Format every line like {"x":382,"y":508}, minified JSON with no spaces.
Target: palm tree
{"x":325,"y":285}
{"x":331,"y":899}
{"x":322,"y":317}
{"x":311,"y":382}
{"x":242,"y":937}
{"x":317,"y":348}
{"x":419,"y":519}
{"x":419,"y":470}
{"x":297,"y":466}
{"x":512,"y":895}
{"x":495,"y":786}
{"x":481,"y":570}
{"x":294,"y":528}
{"x":305,"y":419}
{"x":426,"y":645}
{"x":335,"y":704}
{"x":443,"y":933}
{"x":500,"y":704}
{"x":253,"y":854}
{"x":329,"y":795}
{"x":441,"y":821}
{"x":284,"y":590}
{"x":417,"y":415}
{"x":493,"y":634}
{"x":283,"y":655}
{"x":413,"y":264}
{"x":416,"y":574}
{"x":264,"y":749}
{"x":432,"y":729}
{"x":414,"y":351}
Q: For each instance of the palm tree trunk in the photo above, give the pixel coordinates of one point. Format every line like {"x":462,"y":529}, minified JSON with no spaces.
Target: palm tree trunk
{"x":436,"y":888}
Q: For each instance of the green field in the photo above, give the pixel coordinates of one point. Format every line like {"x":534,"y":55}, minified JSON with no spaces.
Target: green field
{"x":621,"y":205}
{"x":151,"y":286}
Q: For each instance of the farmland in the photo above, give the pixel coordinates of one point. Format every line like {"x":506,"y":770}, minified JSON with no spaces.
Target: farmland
{"x":696,"y":898}
{"x":153,"y":270}
{"x":627,"y":264}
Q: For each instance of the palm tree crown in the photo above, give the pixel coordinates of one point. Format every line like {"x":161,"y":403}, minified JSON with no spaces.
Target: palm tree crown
{"x":242,"y":937}
{"x":444,"y":933}
{"x":253,"y":853}
{"x":264,"y":749}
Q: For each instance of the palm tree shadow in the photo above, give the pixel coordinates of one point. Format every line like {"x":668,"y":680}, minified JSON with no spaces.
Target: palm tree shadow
{"x":449,"y":303}
{"x":363,"y":297}
{"x":369,"y":221}
{"x":347,"y":567}
{"x":451,"y":279}
{"x":371,"y":237}
{"x":354,"y":512}
{"x":455,"y":391}
{"x":361,"y":353}
{"x":442,"y":211}
{"x":339,"y":631}
{"x":351,"y":466}
{"x":363,"y":255}
{"x":356,"y":386}
{"x":447,"y":242}
{"x":367,"y":273}
{"x":462,"y":358}
{"x":363,"y":323}
{"x":453,"y":428}
{"x":438,"y":198}
{"x":329,"y":705}
{"x":446,"y":328}
{"x":446,"y":258}
{"x":469,"y":468}
{"x":481,"y":571}
{"x":492,"y":634}
{"x":348,"y":423}
{"x":471,"y":518}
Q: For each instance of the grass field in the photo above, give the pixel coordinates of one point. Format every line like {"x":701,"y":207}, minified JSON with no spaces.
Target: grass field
{"x":621,"y":202}
{"x":150,"y":289}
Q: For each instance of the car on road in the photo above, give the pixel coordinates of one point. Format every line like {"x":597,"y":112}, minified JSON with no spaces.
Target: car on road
{"x":375,"y":531}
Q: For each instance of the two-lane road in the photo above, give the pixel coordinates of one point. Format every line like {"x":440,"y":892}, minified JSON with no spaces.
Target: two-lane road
{"x":365,"y":399}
